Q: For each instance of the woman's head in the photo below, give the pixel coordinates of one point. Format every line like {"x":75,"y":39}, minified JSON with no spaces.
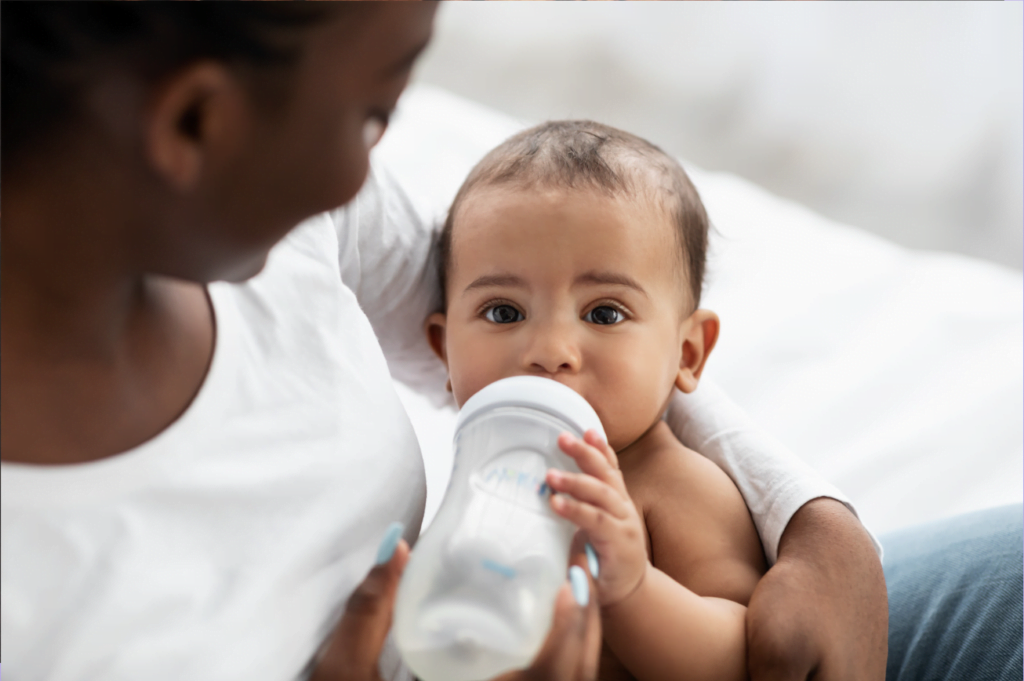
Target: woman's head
{"x":206,"y":131}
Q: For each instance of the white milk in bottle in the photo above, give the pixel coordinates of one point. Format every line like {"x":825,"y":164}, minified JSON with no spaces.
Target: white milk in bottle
{"x":478,"y":593}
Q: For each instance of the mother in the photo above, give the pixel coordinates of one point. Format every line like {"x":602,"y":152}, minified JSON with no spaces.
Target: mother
{"x":196,"y":473}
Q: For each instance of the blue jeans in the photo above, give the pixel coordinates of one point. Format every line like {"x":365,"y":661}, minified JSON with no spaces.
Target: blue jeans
{"x":955,"y":594}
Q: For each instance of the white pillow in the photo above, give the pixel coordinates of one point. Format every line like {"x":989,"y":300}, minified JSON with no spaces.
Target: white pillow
{"x":897,"y":374}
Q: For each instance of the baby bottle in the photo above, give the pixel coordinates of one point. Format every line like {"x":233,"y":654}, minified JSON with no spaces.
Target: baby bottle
{"x":478,"y":593}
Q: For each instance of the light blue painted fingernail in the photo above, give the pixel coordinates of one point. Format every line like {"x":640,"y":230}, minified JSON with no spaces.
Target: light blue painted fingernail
{"x":592,"y":562}
{"x":580,"y":586}
{"x":390,"y":542}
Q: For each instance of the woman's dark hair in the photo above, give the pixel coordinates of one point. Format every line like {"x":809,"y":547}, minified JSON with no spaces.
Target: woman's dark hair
{"x":49,"y":51}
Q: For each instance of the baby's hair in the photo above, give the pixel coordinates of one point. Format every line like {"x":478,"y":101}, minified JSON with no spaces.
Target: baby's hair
{"x":584,"y":155}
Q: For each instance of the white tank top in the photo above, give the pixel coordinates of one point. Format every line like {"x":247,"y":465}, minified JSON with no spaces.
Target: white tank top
{"x":224,"y":547}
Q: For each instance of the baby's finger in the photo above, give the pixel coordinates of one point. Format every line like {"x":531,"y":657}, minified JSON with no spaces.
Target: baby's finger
{"x":596,"y":523}
{"x":590,"y":490}
{"x":594,"y":439}
{"x":591,"y":460}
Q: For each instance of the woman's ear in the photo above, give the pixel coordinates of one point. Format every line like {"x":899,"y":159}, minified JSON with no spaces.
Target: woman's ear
{"x":198,"y":119}
{"x":700,"y":333}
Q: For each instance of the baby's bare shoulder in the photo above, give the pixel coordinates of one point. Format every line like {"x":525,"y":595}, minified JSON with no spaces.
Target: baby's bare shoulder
{"x":669,"y":472}
{"x":700,"y":530}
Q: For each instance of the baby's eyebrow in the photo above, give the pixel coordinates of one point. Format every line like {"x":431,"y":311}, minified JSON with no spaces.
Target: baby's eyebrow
{"x":487,"y":281}
{"x":609,"y":278}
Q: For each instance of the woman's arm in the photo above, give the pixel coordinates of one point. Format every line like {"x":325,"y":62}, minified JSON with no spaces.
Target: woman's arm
{"x":387,"y":257}
{"x":822,"y":609}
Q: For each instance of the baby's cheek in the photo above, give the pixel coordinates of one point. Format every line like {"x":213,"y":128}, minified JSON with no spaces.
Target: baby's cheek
{"x":623,"y":421}
{"x":631,"y":406}
{"x":471,"y":369}
{"x":465,"y":384}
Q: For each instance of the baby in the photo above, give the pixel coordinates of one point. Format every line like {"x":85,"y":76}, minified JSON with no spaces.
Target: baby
{"x":575,"y":251}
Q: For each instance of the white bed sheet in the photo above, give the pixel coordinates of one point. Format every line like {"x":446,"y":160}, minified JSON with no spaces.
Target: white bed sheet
{"x":897,"y":374}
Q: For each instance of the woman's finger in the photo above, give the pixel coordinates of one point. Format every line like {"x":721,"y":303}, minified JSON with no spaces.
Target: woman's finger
{"x":573,"y":646}
{"x":352,"y":651}
{"x":589,"y":490}
{"x":590,"y":656}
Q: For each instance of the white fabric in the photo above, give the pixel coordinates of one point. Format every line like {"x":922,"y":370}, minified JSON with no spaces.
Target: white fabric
{"x":895,"y":374}
{"x":773,"y":481}
{"x":223,"y":548}
{"x":386,"y":254}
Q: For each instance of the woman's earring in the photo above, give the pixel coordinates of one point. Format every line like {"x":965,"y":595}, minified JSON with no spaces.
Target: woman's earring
{"x":448,"y":385}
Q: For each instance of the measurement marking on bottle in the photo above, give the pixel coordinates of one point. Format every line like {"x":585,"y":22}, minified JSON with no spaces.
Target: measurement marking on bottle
{"x":494,"y":566}
{"x":497,"y":477}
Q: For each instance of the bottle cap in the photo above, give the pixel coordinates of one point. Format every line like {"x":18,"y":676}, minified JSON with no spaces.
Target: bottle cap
{"x":533,"y":392}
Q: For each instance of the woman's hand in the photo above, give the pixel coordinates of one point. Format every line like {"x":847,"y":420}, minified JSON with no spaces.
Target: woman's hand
{"x":597,"y":502}
{"x":573,"y":646}
{"x":821,"y":610}
{"x":352,"y":651}
{"x":570,"y":653}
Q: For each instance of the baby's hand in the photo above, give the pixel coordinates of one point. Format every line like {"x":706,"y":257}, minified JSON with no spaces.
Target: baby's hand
{"x":598,"y":503}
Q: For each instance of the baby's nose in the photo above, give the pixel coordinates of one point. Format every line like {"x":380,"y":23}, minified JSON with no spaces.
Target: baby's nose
{"x":553,"y":351}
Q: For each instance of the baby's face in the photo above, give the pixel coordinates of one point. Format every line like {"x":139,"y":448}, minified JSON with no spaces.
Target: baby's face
{"x":579,"y":287}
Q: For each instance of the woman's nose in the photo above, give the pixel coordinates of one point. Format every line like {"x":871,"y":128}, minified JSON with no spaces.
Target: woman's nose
{"x":552,"y":350}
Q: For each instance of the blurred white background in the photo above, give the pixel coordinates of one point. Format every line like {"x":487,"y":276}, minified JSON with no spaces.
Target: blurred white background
{"x":896,"y":374}
{"x":904,"y":119}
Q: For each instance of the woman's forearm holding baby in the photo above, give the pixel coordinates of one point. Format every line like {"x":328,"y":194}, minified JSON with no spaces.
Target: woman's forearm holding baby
{"x":664,"y":631}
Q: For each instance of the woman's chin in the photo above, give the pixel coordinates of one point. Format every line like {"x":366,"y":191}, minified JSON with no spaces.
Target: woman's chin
{"x":244,"y":271}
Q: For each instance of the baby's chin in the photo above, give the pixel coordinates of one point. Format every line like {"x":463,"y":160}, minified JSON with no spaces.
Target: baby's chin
{"x":622,"y":434}
{"x":620,"y":443}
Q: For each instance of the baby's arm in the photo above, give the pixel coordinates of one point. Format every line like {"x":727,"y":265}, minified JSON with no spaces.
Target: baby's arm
{"x":702,"y":534}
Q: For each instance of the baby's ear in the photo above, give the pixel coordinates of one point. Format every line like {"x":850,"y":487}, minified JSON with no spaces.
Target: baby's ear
{"x":435,"y":328}
{"x":700,"y":333}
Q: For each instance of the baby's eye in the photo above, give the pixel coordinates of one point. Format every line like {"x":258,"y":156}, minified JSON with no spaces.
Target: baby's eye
{"x":503,"y":314}
{"x":603,"y":314}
